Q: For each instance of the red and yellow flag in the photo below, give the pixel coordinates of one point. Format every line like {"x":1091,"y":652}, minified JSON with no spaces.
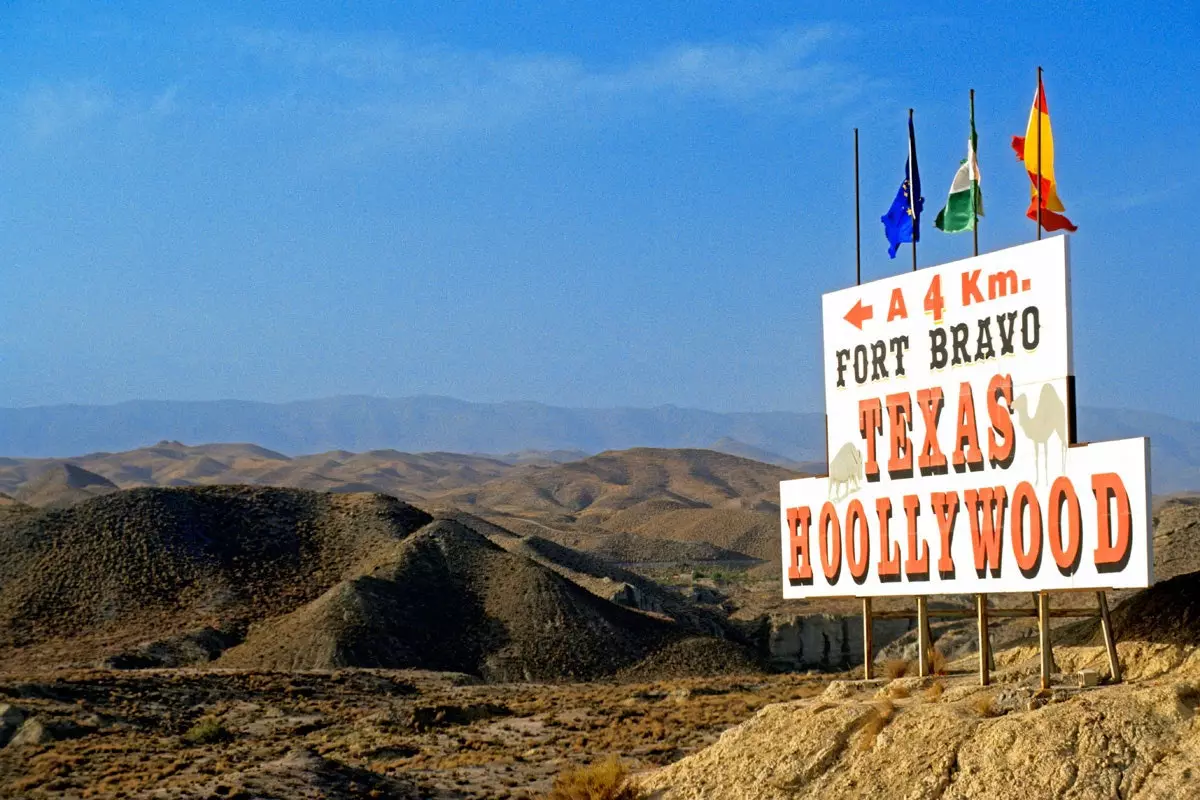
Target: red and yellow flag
{"x":1038,"y":143}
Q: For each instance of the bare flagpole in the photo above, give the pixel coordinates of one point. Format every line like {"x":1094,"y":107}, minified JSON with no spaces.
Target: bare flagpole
{"x":857,"y":220}
{"x":1041,"y":97}
{"x":912,"y":188}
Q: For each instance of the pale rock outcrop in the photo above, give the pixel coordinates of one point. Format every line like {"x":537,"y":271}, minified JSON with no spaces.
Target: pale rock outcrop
{"x":1133,"y":740}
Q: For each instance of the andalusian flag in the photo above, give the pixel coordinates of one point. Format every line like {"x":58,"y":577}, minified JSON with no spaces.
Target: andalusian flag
{"x":1038,"y":145}
{"x":966,"y":200}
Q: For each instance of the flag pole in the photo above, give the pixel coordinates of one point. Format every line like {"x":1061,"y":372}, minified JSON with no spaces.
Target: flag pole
{"x":1041,"y":97}
{"x":912,"y":188}
{"x":857,"y":220}
{"x":974,"y":193}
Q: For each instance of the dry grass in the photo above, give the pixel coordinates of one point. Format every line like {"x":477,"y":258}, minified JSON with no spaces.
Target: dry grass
{"x":985,"y":705}
{"x":207,"y":731}
{"x":935,"y":691}
{"x":896,"y":668}
{"x":608,"y":780}
{"x":898,"y":691}
{"x":880,"y":716}
{"x":938,"y":664}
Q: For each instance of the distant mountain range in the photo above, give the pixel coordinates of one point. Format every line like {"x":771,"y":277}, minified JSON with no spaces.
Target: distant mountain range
{"x":426,"y":424}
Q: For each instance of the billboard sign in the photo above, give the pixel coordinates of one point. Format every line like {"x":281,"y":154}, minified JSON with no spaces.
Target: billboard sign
{"x":951,"y":468}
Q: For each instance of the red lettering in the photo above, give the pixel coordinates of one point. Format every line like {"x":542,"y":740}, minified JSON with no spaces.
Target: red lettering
{"x":966,"y":440}
{"x":986,"y":513}
{"x":1066,"y":556}
{"x":931,"y":402}
{"x":889,"y":552}
{"x":945,"y":508}
{"x":899,"y":408}
{"x":870,"y":424}
{"x":970,"y":288}
{"x":799,"y":566}
{"x":915,"y":565}
{"x":1000,"y":437}
{"x":1108,"y":486}
{"x":897,"y":308}
{"x":858,"y":549}
{"x":1027,"y":555}
{"x":829,"y":537}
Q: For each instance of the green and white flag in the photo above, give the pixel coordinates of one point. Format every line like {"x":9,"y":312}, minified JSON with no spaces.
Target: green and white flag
{"x":966,"y":200}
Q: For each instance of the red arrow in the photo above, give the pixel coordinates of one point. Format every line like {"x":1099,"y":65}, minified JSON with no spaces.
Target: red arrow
{"x":859,"y":314}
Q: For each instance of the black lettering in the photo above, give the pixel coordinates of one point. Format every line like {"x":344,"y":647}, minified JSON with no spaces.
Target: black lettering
{"x":843,"y":356}
{"x":984,"y":348}
{"x":1007,"y":332}
{"x":1031,"y":332}
{"x":938,"y":357}
{"x":860,"y":364}
{"x":899,"y":345}
{"x":958,"y":334}
{"x":878,"y":360}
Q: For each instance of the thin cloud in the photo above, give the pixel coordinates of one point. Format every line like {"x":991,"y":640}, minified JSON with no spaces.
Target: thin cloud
{"x":49,"y":112}
{"x":438,"y":88}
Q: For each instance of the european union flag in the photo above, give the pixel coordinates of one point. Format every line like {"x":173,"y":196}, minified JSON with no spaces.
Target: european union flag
{"x":902,"y":222}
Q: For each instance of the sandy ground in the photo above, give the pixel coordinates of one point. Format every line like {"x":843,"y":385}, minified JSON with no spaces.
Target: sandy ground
{"x":350,"y":733}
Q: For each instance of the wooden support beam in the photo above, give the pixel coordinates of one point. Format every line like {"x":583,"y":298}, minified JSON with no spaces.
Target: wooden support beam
{"x":1044,"y":642}
{"x":923,"y":637}
{"x":868,"y":638}
{"x":998,"y":613}
{"x":1110,"y":641}
{"x":985,"y":648}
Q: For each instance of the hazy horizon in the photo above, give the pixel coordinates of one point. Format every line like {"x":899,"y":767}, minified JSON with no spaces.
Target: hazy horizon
{"x":520,"y":401}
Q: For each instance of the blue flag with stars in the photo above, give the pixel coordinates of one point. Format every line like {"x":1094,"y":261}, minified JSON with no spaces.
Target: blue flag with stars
{"x":902,"y":222}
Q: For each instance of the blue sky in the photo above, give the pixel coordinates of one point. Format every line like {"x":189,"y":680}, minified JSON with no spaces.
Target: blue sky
{"x":636,"y":204}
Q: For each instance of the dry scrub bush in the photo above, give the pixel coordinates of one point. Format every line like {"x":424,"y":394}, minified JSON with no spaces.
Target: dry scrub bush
{"x":608,"y":780}
{"x":880,"y":716}
{"x":898,"y":691}
{"x":935,"y":691}
{"x":207,"y":731}
{"x":896,"y":668}
{"x":985,"y":705}
{"x":937,"y":662}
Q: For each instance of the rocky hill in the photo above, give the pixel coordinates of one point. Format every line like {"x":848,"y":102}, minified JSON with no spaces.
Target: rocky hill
{"x":450,"y":600}
{"x":58,"y":485}
{"x":166,"y":561}
{"x":288,"y":578}
{"x":680,"y":495}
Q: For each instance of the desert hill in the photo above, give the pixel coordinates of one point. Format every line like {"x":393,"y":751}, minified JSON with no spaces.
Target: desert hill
{"x":641,"y":505}
{"x":290,"y":578}
{"x":679,"y":495}
{"x":451,"y":600}
{"x":406,"y":475}
{"x":62,"y":484}
{"x":596,"y":488}
{"x":164,"y":561}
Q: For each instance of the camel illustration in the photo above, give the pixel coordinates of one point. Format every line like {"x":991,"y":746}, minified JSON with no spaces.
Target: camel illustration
{"x":845,"y":468}
{"x":1049,"y":418}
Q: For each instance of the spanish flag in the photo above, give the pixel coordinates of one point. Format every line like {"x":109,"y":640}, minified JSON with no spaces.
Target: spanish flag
{"x":1039,"y":143}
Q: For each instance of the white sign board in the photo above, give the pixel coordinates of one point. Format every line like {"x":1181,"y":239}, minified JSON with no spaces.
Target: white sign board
{"x":947,"y":395}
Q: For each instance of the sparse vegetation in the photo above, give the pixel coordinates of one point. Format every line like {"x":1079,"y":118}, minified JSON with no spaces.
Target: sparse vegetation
{"x":938,"y":664}
{"x":607,"y":780}
{"x":985,"y":705}
{"x":896,"y":668}
{"x":879,"y":718}
{"x":209,"y":730}
{"x":935,"y":691}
